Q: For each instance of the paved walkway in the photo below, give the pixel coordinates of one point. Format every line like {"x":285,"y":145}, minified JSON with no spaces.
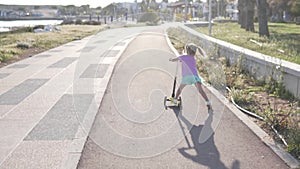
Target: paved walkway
{"x":45,"y":99}
{"x":49,"y":105}
{"x":133,"y":130}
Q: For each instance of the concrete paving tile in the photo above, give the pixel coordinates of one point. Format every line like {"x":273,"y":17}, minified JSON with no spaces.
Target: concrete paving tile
{"x":27,"y":61}
{"x":38,"y":155}
{"x":55,"y":50}
{"x":101,"y":41}
{"x":47,"y":73}
{"x":85,"y":86}
{"x":12,"y":133}
{"x":18,"y":66}
{"x":42,"y":56}
{"x":120,"y":44}
{"x":110,"y":53}
{"x":81,"y":132}
{"x":77,"y":145}
{"x":72,"y":160}
{"x":6,"y":70}
{"x":88,"y":48}
{"x":62,"y":121}
{"x":63,"y":63}
{"x":29,"y":110}
{"x":20,"y":92}
{"x":69,"y":45}
{"x":109,"y":60}
{"x":95,"y":71}
{"x":104,"y":83}
{"x":5,"y":109}
{"x":88,"y":120}
{"x":3,"y":75}
{"x":46,"y":96}
{"x":19,"y":76}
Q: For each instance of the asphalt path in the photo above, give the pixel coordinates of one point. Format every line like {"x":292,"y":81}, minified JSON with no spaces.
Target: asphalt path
{"x":133,"y":130}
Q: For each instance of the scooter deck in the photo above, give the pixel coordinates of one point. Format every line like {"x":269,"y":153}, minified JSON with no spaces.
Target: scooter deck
{"x":168,"y":102}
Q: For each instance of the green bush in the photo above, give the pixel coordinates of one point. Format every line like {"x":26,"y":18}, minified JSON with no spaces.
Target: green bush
{"x":39,"y":27}
{"x":151,"y":18}
{"x":293,"y":139}
{"x":78,"y":22}
{"x":21,"y":30}
{"x":92,"y":23}
{"x":6,"y":55}
{"x":241,"y":97}
{"x":23,"y":45}
{"x":67,"y":22}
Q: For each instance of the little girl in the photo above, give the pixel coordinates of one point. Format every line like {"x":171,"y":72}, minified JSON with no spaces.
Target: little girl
{"x":189,"y":72}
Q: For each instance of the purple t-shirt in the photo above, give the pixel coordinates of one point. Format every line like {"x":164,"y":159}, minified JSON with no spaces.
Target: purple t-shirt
{"x":188,"y":65}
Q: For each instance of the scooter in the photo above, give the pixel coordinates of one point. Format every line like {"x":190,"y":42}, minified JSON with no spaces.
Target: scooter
{"x":168,"y":101}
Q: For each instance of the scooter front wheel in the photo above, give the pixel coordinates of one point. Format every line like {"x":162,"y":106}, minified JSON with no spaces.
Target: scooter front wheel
{"x":165,"y":102}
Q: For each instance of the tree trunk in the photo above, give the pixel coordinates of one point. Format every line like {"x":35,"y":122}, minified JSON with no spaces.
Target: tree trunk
{"x":250,"y":16}
{"x":262,"y":18}
{"x":240,"y":9}
{"x":243,"y":13}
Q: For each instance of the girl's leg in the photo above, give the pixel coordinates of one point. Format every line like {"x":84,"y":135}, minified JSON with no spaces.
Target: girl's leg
{"x":201,"y":91}
{"x":203,"y":94}
{"x":179,"y":90}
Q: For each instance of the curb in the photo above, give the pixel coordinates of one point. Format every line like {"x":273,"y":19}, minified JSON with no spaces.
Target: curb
{"x":265,"y":138}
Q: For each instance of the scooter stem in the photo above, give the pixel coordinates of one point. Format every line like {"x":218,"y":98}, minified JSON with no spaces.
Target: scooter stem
{"x":175,"y":78}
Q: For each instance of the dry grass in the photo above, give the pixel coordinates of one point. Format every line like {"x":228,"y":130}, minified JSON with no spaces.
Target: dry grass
{"x":38,"y":42}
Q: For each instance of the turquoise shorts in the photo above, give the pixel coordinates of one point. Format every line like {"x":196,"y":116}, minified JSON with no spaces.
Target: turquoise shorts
{"x":190,"y":79}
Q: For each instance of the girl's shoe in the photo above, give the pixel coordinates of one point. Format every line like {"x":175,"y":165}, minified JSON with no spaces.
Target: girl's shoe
{"x":174,"y":101}
{"x":208,"y":104}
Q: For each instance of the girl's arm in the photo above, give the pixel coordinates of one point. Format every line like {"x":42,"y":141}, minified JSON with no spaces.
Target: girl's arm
{"x":174,"y":59}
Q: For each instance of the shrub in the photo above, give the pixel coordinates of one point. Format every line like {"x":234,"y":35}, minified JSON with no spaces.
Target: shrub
{"x":67,"y":22}
{"x":22,"y":30}
{"x":38,"y":27}
{"x":78,"y":22}
{"x":150,"y":18}
{"x":6,"y":55}
{"x":241,"y":97}
{"x":92,"y":23}
{"x":293,"y":138}
{"x":23,"y":45}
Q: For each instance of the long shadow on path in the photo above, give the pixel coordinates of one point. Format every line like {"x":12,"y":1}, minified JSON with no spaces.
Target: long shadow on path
{"x":206,"y":153}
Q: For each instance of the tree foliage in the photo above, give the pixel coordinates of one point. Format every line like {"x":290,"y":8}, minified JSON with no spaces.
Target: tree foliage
{"x":150,"y":18}
{"x":246,"y":15}
{"x":278,"y":7}
{"x":294,"y":7}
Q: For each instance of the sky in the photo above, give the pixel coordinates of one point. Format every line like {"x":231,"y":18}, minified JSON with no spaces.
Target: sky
{"x":92,"y":3}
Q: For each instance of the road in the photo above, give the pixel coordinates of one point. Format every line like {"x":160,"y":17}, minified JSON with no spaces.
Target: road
{"x":133,"y":130}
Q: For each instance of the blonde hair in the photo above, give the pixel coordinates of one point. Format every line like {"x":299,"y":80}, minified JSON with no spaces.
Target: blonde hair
{"x":192,"y":49}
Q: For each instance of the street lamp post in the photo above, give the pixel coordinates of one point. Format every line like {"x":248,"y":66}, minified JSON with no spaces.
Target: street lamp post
{"x":115,"y":12}
{"x":185,"y":10}
{"x":114,"y":4}
{"x":209,"y":18}
{"x":218,"y":8}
